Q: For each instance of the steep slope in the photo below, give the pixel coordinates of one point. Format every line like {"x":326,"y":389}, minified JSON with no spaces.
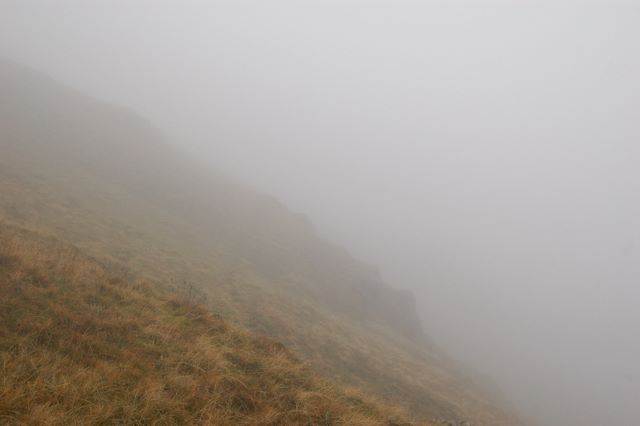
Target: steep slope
{"x":106,"y":181}
{"x":82,"y":345}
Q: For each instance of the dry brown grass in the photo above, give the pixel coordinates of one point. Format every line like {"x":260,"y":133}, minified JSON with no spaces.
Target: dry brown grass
{"x":83,"y":345}
{"x":125,"y":232}
{"x":104,"y":180}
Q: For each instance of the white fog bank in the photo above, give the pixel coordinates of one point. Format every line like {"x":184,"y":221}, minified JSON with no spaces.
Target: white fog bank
{"x":484,"y":154}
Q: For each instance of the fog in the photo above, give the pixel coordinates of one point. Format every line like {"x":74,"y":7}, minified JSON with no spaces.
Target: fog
{"x":482,"y":154}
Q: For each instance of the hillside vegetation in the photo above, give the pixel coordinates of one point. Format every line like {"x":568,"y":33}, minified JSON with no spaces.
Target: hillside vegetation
{"x":107,"y":182}
{"x":81,"y":345}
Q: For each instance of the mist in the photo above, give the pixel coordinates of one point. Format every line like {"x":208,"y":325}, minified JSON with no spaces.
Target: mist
{"x":482,"y":154}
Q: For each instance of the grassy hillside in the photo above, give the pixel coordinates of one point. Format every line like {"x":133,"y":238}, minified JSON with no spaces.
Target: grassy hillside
{"x":106,"y":181}
{"x":82,"y":345}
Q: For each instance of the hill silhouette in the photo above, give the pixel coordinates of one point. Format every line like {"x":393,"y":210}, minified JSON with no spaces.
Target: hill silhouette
{"x":104,"y":180}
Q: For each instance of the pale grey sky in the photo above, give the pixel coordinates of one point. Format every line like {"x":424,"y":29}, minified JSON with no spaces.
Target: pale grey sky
{"x":484,"y":154}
